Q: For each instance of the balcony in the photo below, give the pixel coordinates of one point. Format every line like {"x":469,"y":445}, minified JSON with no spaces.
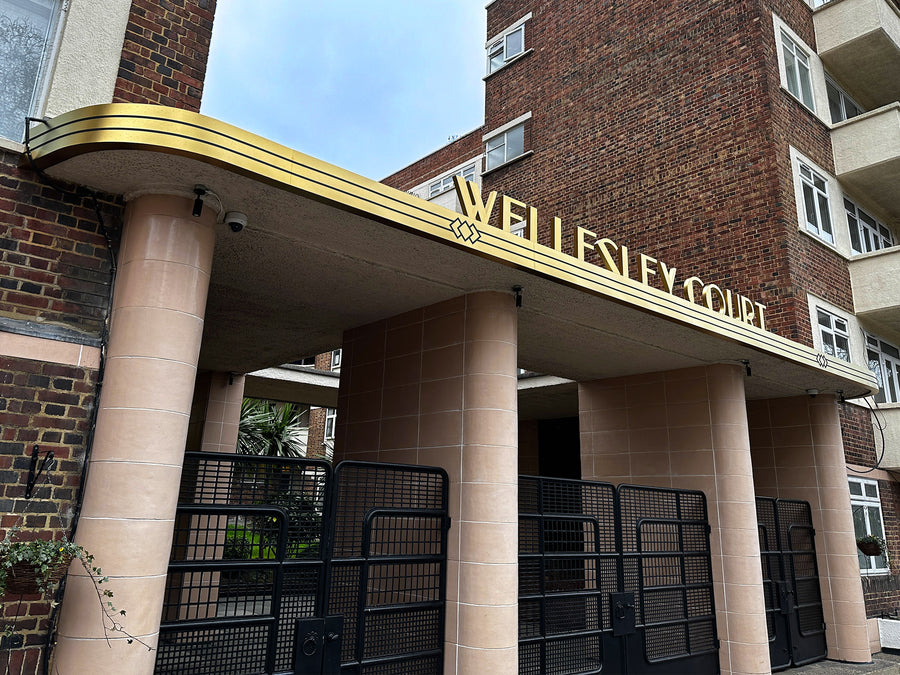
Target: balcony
{"x":876,"y":292}
{"x":867,"y":156}
{"x":890,"y":416}
{"x":859,"y":43}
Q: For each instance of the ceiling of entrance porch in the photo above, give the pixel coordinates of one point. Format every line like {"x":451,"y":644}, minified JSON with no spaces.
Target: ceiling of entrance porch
{"x":305,"y":269}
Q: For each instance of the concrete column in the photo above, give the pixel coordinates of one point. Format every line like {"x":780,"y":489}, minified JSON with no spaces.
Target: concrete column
{"x":688,"y":429}
{"x":437,"y":386}
{"x":135,"y":465}
{"x":798,"y":453}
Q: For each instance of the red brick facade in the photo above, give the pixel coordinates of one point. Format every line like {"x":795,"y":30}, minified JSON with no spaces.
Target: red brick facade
{"x":54,"y":258}
{"x":669,"y":130}
{"x":165,"y":52}
{"x":47,"y":405}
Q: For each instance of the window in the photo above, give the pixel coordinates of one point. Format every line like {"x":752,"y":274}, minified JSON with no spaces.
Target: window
{"x":336,"y":360}
{"x":866,"y":233}
{"x":866,"y":506}
{"x":27,"y":31}
{"x":446,"y":183}
{"x":796,"y":70}
{"x":305,"y":361}
{"x":815,"y":203}
{"x":834,"y":334}
{"x":504,"y":147}
{"x":330,"y":420}
{"x":506,"y":48}
{"x":884,"y":361}
{"x":841,"y":106}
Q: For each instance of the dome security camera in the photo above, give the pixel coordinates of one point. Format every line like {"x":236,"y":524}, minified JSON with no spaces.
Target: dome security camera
{"x":236,"y":220}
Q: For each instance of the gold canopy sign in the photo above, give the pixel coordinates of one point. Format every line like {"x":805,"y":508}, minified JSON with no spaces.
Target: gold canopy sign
{"x":614,"y":257}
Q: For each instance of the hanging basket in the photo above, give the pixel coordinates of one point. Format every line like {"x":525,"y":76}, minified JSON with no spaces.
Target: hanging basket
{"x":870,"y":548}
{"x":22,"y":578}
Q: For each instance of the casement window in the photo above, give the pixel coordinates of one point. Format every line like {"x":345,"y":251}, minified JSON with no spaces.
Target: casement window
{"x":28,"y":31}
{"x":840,"y":105}
{"x":797,"y":72}
{"x":866,"y":506}
{"x":884,"y":361}
{"x":446,"y":182}
{"x":816,"y":210}
{"x":330,"y":421}
{"x":505,"y":146}
{"x":336,"y":360}
{"x":866,"y":233}
{"x":505,"y":48}
{"x":834,"y":334}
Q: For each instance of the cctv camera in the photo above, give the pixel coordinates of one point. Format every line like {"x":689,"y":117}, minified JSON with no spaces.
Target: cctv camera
{"x":236,"y":221}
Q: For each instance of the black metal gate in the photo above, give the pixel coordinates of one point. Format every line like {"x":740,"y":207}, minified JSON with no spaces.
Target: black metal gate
{"x":614,"y":579}
{"x":790,"y":574}
{"x":281,"y":566}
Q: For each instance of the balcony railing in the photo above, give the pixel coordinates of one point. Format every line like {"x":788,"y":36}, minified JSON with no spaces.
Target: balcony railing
{"x":867,"y":157}
{"x":859,"y":43}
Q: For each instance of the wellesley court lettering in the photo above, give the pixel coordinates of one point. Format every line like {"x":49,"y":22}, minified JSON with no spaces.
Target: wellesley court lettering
{"x":614,"y":256}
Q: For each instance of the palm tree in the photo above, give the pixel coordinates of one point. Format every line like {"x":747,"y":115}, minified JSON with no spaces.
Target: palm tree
{"x":272,"y":429}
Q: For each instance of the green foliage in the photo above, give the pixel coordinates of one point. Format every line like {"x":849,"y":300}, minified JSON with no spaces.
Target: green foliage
{"x":42,"y":555}
{"x":271,"y":429}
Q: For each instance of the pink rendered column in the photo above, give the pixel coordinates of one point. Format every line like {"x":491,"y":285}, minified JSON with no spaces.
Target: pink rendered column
{"x":688,"y":429}
{"x":798,"y":453}
{"x":437,"y":386}
{"x":135,"y":465}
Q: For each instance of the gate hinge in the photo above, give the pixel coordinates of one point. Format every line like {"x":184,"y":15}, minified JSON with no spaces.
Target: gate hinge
{"x":718,"y":643}
{"x":446,"y":523}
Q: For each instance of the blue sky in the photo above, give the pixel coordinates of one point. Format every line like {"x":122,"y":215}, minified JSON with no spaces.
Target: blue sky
{"x":369,"y":85}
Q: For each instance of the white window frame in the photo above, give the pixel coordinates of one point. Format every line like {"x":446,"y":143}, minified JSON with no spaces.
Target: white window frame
{"x":336,"y":360}
{"x":797,"y":71}
{"x":870,"y":234}
{"x":445,"y":182}
{"x":330,"y":423}
{"x":863,"y":506}
{"x":883,"y":359}
{"x":40,"y":90}
{"x":499,"y":138}
{"x":816,"y":202}
{"x":832,"y":333}
{"x":500,"y":45}
{"x":816,"y":70}
{"x":848,"y":107}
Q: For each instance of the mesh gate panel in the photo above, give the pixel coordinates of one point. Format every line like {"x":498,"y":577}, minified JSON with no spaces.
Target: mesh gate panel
{"x":567,"y":568}
{"x":388,"y":575}
{"x":245,"y":562}
{"x":667,"y":564}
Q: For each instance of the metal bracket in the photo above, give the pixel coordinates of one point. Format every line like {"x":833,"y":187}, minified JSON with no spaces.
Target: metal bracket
{"x":35,"y":470}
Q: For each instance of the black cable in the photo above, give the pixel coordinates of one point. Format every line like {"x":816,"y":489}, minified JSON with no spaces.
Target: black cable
{"x":879,"y":424}
{"x":101,"y":367}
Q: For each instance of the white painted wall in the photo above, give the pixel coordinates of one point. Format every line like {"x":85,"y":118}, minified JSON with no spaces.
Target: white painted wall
{"x":87,"y":58}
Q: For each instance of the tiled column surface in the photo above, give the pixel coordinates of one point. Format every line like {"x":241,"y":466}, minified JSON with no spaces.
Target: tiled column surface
{"x":437,"y":386}
{"x":223,"y":413}
{"x":132,"y":486}
{"x":688,"y":429}
{"x":798,"y":454}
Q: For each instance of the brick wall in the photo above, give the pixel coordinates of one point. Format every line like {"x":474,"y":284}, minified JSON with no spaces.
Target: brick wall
{"x":47,"y":405}
{"x":451,"y":155}
{"x":54,"y":266}
{"x":165,"y":53}
{"x":858,"y":435}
